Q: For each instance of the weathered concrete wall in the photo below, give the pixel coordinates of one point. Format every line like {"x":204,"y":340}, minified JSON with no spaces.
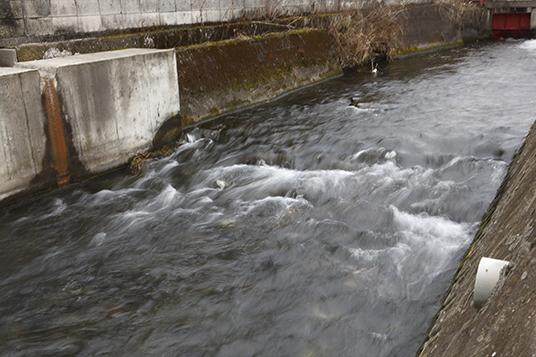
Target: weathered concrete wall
{"x":21,"y":20}
{"x":439,"y":24}
{"x":160,"y":39}
{"x":114,"y":102}
{"x":229,"y":74}
{"x":506,"y":324}
{"x":422,"y":26}
{"x":24,"y":21}
{"x":22,"y":123}
{"x":68,"y":118}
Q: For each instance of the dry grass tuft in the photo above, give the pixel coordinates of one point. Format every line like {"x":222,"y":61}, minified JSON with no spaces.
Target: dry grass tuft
{"x":365,"y":36}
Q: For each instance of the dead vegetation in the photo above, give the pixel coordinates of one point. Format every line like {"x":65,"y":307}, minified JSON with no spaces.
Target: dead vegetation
{"x":136,"y":163}
{"x":457,"y":10}
{"x":360,"y":34}
{"x":365,"y":36}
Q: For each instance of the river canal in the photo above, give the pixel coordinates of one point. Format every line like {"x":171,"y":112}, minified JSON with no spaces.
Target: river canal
{"x":328,"y":222}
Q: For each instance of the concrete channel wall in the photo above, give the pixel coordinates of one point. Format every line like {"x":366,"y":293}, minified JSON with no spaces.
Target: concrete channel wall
{"x":22,"y":121}
{"x":90,"y":113}
{"x":224,"y":75}
{"x":69,"y":118}
{"x":24,"y":21}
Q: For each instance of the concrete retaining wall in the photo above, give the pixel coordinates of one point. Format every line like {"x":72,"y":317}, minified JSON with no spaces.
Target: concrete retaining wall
{"x":439,"y":24}
{"x":20,"y":19}
{"x":114,"y":102}
{"x":229,"y":74}
{"x":24,"y":21}
{"x":22,"y":121}
{"x":68,"y":118}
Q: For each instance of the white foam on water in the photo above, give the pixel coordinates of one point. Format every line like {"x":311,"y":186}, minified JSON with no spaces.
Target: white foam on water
{"x":167,"y":198}
{"x":260,"y":181}
{"x":190,"y":138}
{"x":57,"y":208}
{"x":97,"y":239}
{"x":424,"y":249}
{"x":429,"y":227}
{"x":433,"y":242}
{"x":528,"y":45}
{"x":391,"y":155}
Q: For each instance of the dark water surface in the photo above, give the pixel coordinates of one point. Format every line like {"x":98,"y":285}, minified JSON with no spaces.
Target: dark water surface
{"x":302,"y":227}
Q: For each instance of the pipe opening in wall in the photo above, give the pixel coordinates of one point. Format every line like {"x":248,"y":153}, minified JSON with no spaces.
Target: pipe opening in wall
{"x":488,"y":273}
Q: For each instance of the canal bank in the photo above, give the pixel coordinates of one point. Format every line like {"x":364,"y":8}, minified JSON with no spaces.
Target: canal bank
{"x":252,"y":62}
{"x":303,"y":226}
{"x":506,"y":324}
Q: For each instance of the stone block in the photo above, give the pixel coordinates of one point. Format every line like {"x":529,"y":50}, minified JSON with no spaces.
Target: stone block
{"x":21,"y":129}
{"x":8,"y":57}
{"x":10,"y":10}
{"x":60,"y":8}
{"x":110,"y":7}
{"x":36,"y":8}
{"x":168,"y":5}
{"x":130,"y":6}
{"x":90,"y":24}
{"x":65,"y":24}
{"x":202,"y":16}
{"x":149,"y":6}
{"x":184,"y":17}
{"x":14,"y":28}
{"x":231,"y":9}
{"x":112,"y":22}
{"x":150,"y":19}
{"x":168,"y":18}
{"x":132,"y":21}
{"x":88,"y":8}
{"x":39,"y":27}
{"x":183,"y":5}
{"x":207,"y":5}
{"x":230,"y":13}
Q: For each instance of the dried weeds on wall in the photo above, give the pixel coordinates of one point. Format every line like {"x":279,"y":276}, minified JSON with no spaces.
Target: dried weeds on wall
{"x":365,"y":36}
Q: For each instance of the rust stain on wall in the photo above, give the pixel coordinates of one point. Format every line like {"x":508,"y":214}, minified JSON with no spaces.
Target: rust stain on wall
{"x":60,"y":152}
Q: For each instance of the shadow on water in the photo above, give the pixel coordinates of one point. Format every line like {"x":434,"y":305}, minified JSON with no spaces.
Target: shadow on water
{"x":326,"y":223}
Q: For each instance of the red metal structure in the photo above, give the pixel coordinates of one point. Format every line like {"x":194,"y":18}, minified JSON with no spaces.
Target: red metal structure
{"x":511,"y":24}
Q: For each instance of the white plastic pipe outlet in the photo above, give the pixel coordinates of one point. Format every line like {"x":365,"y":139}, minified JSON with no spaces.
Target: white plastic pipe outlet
{"x":487,"y":276}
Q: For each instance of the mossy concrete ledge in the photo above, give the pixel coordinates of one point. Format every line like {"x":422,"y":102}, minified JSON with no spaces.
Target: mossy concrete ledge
{"x":220,"y":76}
{"x":506,"y":324}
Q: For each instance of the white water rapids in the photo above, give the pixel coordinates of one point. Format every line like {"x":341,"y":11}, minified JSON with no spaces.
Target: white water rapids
{"x":329,"y":222}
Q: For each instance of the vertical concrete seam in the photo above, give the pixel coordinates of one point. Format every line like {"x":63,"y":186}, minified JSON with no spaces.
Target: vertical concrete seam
{"x":5,"y":150}
{"x":115,"y":92}
{"x":146,"y":84}
{"x":27,"y":122}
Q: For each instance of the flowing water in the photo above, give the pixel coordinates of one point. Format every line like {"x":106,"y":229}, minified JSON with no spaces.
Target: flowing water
{"x":306,"y":226}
